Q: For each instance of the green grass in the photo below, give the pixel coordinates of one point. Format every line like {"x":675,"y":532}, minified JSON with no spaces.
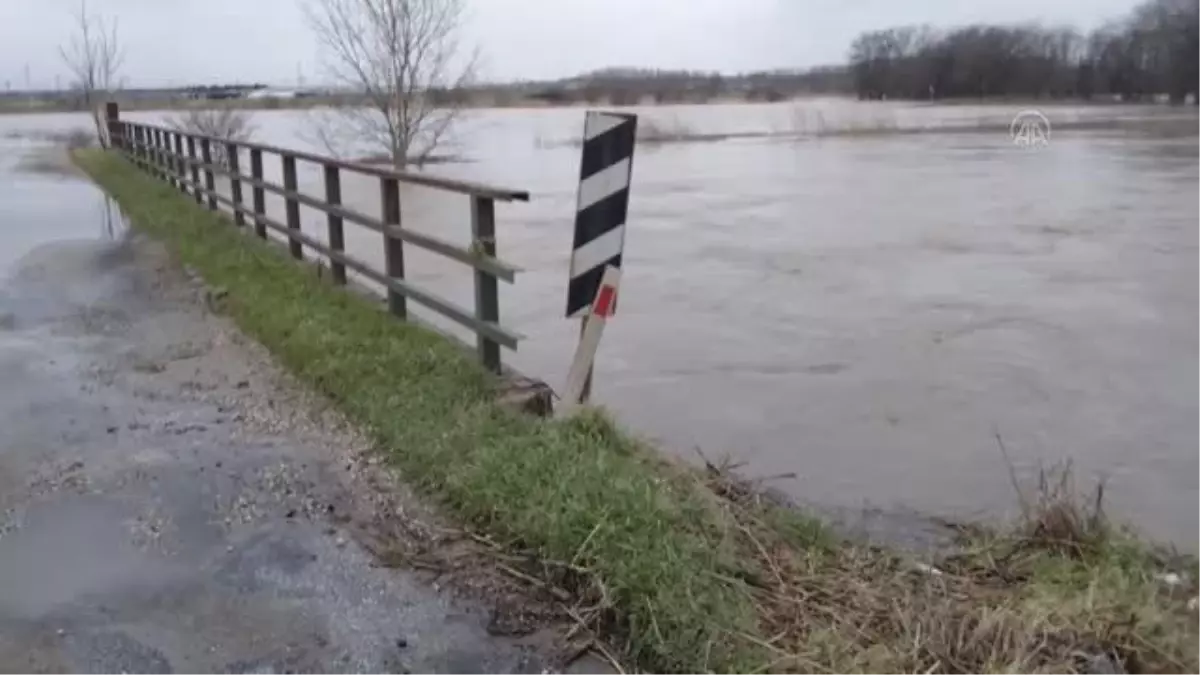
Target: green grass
{"x":651,"y":540}
{"x":700,"y":571}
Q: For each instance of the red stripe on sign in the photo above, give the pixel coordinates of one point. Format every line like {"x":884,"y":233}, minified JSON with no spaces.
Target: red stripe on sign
{"x":605,"y":299}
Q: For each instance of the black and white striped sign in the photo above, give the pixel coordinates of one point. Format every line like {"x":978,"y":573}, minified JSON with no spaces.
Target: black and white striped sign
{"x":602,"y":204}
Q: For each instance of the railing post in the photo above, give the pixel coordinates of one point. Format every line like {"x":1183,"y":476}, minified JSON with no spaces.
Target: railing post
{"x":168,"y":170}
{"x":191,"y":143}
{"x":138,"y":149}
{"x":210,"y":181}
{"x":151,"y":149}
{"x":235,"y":183}
{"x":112,"y":115}
{"x":487,"y":296}
{"x":180,"y":167}
{"x":260,"y":200}
{"x":393,"y":247}
{"x":144,"y":137}
{"x":156,"y":142}
{"x":291,"y":206}
{"x":159,"y":160}
{"x":177,"y":160}
{"x":337,"y":242}
{"x":168,"y":163}
{"x":154,"y":158}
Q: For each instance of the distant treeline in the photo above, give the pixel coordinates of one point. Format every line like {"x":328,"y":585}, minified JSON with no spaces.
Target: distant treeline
{"x":627,"y":86}
{"x":1153,"y":51}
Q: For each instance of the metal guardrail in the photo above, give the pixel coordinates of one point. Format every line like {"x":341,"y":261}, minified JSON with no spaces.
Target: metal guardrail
{"x":180,"y":158}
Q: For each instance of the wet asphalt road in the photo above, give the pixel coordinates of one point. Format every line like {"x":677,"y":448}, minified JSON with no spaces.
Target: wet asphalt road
{"x":169,"y":504}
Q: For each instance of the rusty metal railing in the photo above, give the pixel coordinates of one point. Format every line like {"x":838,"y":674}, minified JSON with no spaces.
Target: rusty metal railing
{"x":186,"y":161}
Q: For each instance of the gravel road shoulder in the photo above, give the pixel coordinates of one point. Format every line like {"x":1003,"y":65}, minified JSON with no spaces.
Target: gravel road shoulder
{"x":171,"y":501}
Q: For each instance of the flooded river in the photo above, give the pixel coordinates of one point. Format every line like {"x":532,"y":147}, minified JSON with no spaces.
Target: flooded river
{"x":865,"y":311}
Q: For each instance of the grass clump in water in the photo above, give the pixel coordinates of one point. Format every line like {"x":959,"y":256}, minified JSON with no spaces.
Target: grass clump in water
{"x":1061,"y":591}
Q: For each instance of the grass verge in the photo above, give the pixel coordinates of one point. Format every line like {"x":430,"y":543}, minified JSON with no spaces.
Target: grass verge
{"x":692,"y":571}
{"x":577,"y":491}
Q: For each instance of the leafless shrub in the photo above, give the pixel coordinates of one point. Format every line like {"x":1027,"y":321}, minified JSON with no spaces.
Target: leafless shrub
{"x":812,"y":122}
{"x":227,"y":124}
{"x":652,"y":131}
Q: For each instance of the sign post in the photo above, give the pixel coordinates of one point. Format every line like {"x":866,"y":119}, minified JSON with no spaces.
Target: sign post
{"x":580,"y":375}
{"x":602,"y":204}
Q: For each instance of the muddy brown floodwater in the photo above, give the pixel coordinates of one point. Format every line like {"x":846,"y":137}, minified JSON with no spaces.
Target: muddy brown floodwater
{"x":866,"y":311}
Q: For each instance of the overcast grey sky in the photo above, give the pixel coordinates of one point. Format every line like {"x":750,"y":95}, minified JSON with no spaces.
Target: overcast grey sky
{"x":174,"y":42}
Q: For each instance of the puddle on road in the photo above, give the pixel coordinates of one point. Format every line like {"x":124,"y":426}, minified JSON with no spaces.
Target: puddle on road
{"x":69,"y":549}
{"x":43,"y":200}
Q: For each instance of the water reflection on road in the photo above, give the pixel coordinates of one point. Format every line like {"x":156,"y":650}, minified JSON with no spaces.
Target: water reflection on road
{"x":865,"y":312}
{"x":42,"y":199}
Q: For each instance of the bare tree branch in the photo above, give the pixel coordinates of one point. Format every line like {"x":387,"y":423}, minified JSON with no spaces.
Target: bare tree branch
{"x":402,"y":56}
{"x":94,"y":57}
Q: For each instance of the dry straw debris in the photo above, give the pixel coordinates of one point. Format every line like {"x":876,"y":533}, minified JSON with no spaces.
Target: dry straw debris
{"x":1061,"y":591}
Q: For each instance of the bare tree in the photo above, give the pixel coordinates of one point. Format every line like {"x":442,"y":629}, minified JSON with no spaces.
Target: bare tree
{"x":94,"y":57}
{"x":404,"y":57}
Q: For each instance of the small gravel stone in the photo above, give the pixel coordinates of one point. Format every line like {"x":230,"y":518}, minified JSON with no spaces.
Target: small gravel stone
{"x":1103,"y":664}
